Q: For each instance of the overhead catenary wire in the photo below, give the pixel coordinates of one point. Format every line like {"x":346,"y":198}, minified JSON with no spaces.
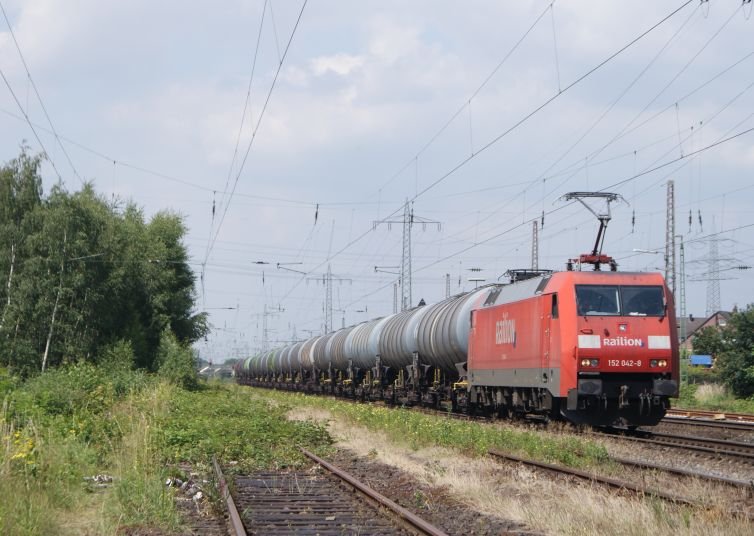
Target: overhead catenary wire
{"x":246,"y":101}
{"x":586,"y":160}
{"x":36,"y":92}
{"x":467,"y":102}
{"x":518,"y":123}
{"x":526,"y":223}
{"x":548,"y":101}
{"x":31,"y":126}
{"x":256,"y":128}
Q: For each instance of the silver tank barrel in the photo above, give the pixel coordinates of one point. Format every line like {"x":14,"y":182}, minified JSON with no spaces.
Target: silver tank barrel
{"x":272,"y":361}
{"x":356,"y":346}
{"x":443,"y":331}
{"x":337,"y":349}
{"x":319,"y":351}
{"x":294,"y":356}
{"x":397,"y":342}
{"x":306,"y":353}
{"x":282,"y":359}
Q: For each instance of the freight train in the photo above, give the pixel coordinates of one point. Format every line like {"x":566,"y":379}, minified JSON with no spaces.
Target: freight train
{"x":591,"y":347}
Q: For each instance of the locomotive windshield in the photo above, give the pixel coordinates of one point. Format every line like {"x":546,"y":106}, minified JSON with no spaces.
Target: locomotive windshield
{"x":609,"y":300}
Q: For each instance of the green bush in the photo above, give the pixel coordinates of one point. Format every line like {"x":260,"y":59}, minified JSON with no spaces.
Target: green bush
{"x":176,"y":362}
{"x":736,"y":368}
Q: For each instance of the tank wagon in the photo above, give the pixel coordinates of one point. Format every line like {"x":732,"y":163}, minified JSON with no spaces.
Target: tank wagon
{"x":590,"y":347}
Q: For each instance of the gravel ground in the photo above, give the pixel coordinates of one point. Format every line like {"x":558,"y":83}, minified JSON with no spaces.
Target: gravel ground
{"x":679,"y":458}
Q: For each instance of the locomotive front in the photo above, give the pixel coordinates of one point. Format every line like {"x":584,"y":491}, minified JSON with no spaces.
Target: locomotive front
{"x":622,"y":331}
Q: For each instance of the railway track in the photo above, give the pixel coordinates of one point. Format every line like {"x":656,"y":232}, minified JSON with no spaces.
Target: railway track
{"x":713,"y":415}
{"x":684,"y":472}
{"x":322,"y":502}
{"x":617,"y":483}
{"x":719,"y":447}
{"x":709,"y":423}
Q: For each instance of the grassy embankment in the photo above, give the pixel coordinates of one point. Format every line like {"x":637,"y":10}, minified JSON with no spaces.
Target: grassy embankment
{"x":704,"y":390}
{"x":81,"y":421}
{"x":417,"y":430}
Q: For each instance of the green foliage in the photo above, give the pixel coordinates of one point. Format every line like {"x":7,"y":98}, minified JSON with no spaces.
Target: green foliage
{"x":695,"y":375}
{"x":56,"y":429}
{"x":222,"y":420}
{"x":735,"y":360}
{"x":75,"y":401}
{"x":736,"y":369}
{"x":709,"y":341}
{"x":78,"y":274}
{"x":176,"y":362}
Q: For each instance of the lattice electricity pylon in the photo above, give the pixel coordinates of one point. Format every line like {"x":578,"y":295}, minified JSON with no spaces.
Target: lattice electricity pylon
{"x":534,"y":246}
{"x":682,"y":289}
{"x":670,"y":273}
{"x":326,"y":279}
{"x":713,"y":284}
{"x":408,"y":221}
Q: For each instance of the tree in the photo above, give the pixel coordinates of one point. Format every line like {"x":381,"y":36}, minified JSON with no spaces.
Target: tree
{"x":709,"y":341}
{"x":735,"y":362}
{"x":78,"y":275}
{"x":20,"y":193}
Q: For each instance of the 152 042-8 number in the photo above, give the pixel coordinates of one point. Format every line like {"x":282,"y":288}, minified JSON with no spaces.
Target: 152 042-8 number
{"x":624,"y":362}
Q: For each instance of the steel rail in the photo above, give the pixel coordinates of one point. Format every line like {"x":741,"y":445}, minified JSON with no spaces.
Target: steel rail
{"x":736,"y":449}
{"x":684,"y":472}
{"x":416,"y":522}
{"x":722,"y":415}
{"x":236,"y":524}
{"x":612,"y":482}
{"x":709,"y":423}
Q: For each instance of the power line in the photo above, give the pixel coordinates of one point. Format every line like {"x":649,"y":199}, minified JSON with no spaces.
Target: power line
{"x":246,"y":102}
{"x":36,"y":92}
{"x":31,"y":126}
{"x":513,"y":127}
{"x":468,"y":101}
{"x":549,"y":101}
{"x":557,"y":209}
{"x":256,"y":128}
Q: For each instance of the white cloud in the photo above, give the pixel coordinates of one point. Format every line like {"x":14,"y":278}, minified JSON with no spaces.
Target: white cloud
{"x":391,"y":41}
{"x":341,"y":64}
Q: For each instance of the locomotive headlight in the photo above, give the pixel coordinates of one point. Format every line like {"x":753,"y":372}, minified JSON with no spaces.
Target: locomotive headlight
{"x":585,"y":362}
{"x":590,"y":362}
{"x":595,"y":362}
{"x":652,"y":362}
{"x":658,"y":363}
{"x":663,"y":363}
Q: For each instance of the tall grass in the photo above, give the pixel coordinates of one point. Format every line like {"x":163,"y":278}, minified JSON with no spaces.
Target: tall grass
{"x":714,"y":397}
{"x":55,"y":430}
{"x":139,"y":497}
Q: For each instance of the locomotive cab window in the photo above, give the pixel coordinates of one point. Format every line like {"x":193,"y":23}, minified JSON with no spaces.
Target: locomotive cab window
{"x":605,"y":300}
{"x":642,"y":301}
{"x":597,"y":300}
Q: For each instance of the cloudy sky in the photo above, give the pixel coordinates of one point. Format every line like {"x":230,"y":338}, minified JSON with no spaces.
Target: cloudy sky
{"x":308,"y":125}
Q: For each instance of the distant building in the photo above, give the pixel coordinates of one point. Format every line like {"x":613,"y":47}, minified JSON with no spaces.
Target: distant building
{"x":694,"y":325}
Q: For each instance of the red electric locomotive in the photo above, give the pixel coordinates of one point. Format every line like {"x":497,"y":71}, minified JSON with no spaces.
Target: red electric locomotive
{"x":595,"y":347}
